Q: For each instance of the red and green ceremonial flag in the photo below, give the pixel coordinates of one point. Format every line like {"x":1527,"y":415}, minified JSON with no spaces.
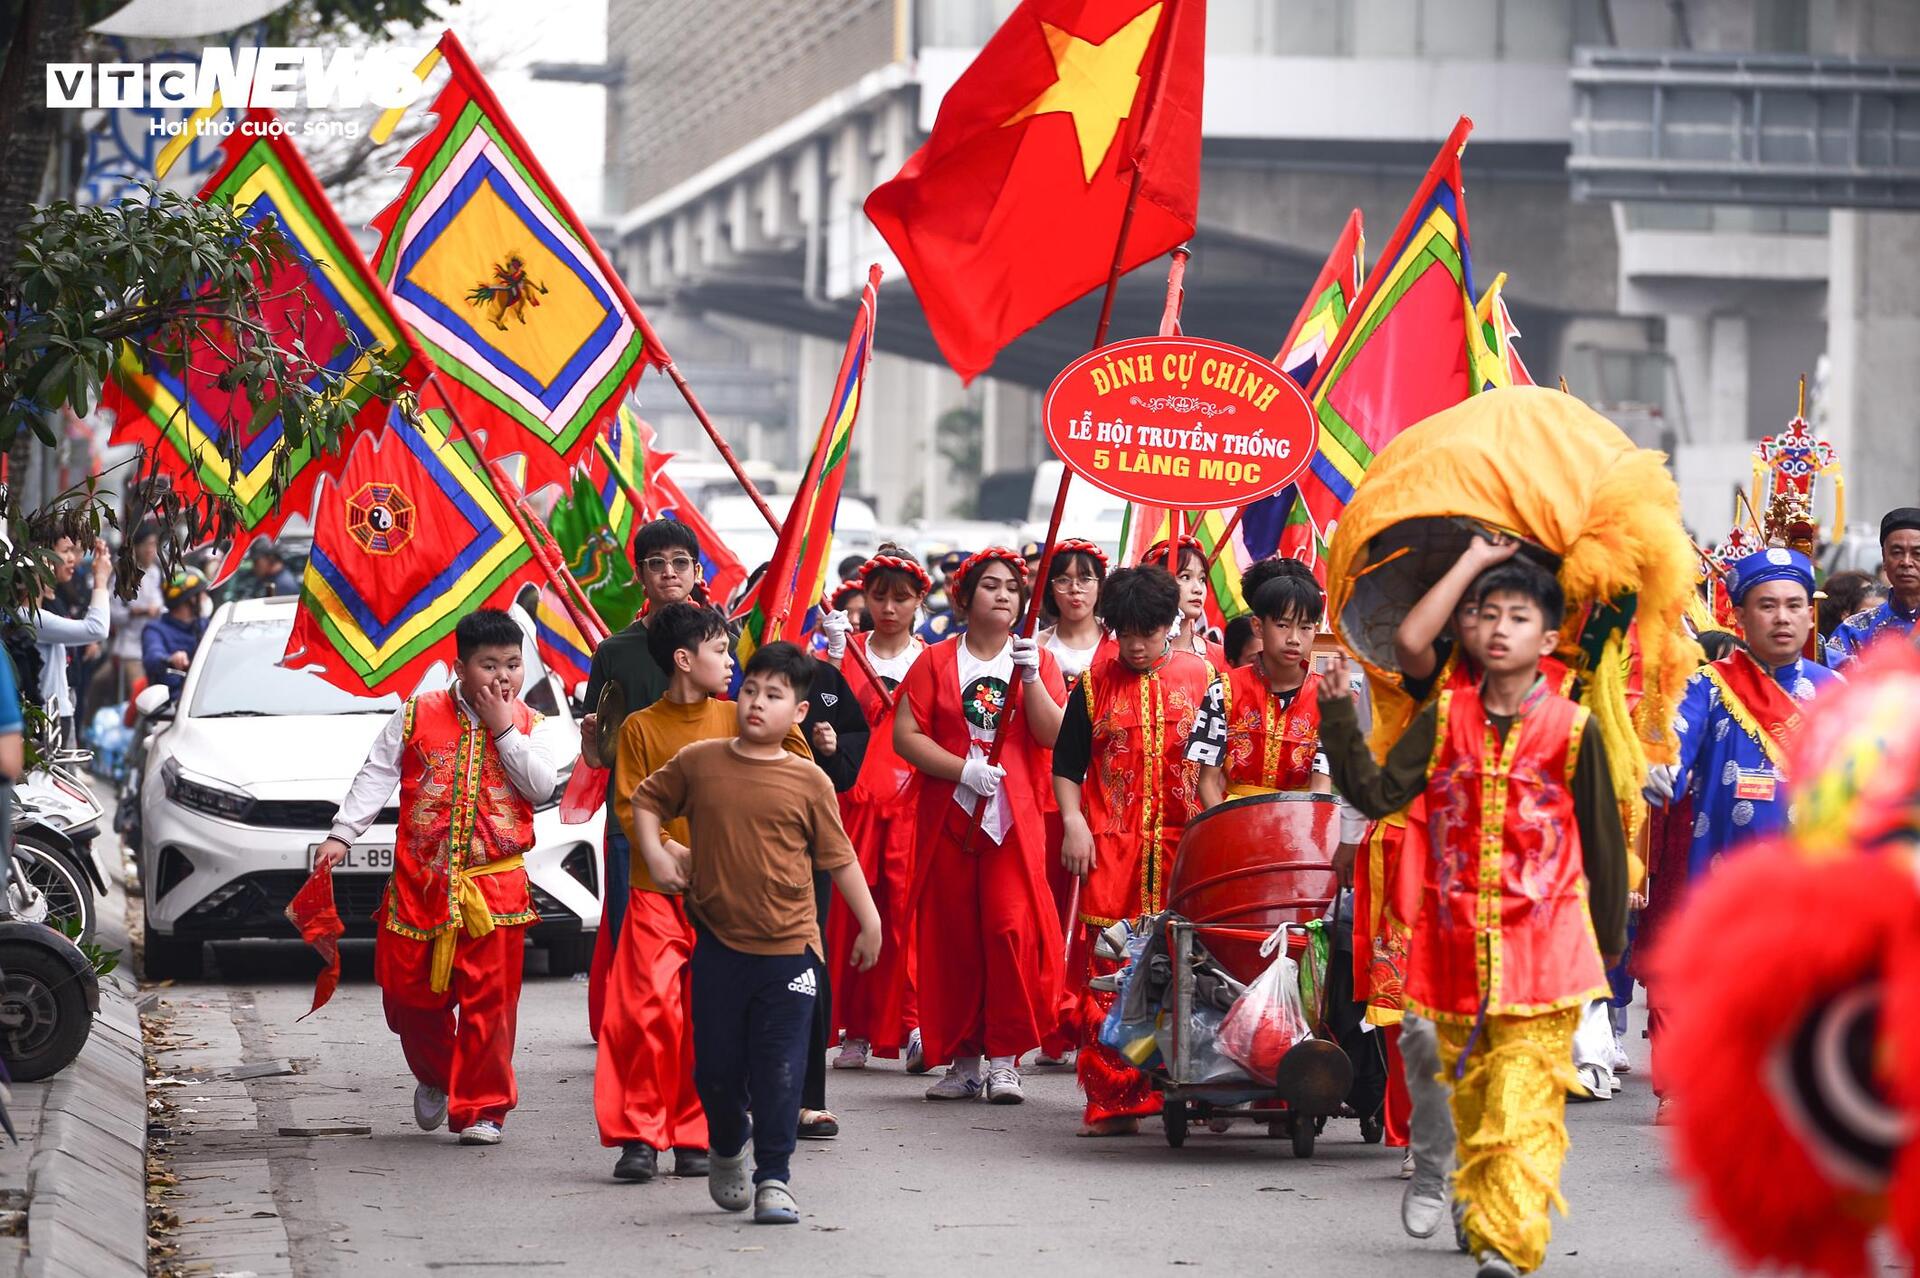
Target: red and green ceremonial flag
{"x":595,"y":553}
{"x":1013,"y":207}
{"x":614,"y":467}
{"x":326,"y":313}
{"x":1412,"y":345}
{"x":410,"y":537}
{"x":1279,"y":524}
{"x":1496,"y":322}
{"x":535,"y":336}
{"x":797,"y":574}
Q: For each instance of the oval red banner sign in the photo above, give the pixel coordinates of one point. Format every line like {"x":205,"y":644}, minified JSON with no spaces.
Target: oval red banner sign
{"x":1180,"y":422}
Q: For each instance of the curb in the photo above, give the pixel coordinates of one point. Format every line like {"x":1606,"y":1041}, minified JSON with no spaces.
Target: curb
{"x":87,"y":1214}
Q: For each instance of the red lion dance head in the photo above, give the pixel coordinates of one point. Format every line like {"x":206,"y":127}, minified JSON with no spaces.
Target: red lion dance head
{"x":1792,"y":987}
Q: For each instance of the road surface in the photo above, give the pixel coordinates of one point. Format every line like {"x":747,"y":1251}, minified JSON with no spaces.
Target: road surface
{"x":910,"y":1187}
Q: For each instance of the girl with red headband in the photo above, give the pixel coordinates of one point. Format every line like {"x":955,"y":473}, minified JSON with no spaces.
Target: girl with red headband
{"x":988,"y":940}
{"x":1074,"y":575}
{"x":1190,"y":570}
{"x":876,"y":1007}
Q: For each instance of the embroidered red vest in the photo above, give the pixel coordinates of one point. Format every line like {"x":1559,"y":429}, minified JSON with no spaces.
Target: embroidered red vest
{"x":1503,"y":917}
{"x":458,"y":810}
{"x":1268,"y":748}
{"x":1140,"y":790}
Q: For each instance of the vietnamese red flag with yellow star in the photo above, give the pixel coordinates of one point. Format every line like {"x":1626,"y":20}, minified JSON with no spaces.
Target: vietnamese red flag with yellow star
{"x":1013,"y":207}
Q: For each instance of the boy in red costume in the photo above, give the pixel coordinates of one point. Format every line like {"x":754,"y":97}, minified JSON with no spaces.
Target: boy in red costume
{"x":1523,"y":893}
{"x":1126,"y":728}
{"x":988,"y":941}
{"x":471,"y":761}
{"x":876,"y":1007}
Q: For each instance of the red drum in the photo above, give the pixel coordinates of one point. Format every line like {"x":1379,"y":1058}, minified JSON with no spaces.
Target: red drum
{"x":1251,"y":864}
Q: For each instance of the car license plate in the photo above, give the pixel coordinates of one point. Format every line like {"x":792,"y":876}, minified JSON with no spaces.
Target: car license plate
{"x":361,"y":856}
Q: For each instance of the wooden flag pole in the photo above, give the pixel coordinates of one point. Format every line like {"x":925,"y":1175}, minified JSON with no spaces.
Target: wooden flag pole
{"x":1226,"y":538}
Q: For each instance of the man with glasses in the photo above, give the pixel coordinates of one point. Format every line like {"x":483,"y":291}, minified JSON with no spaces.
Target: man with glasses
{"x":1900,"y":562}
{"x":668,"y":556}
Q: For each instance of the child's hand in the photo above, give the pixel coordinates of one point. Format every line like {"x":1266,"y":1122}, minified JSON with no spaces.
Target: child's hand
{"x":1490,"y":548}
{"x":826,"y":743}
{"x":1076,"y":848}
{"x":495,"y":707}
{"x":669,"y":868}
{"x":866,"y":949}
{"x":1336,"y":682}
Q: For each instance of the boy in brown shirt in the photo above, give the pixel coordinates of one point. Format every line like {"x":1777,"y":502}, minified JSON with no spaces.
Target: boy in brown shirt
{"x":643,"y":1094}
{"x":761,"y":821}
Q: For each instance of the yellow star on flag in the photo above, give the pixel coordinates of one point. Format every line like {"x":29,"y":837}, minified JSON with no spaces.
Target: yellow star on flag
{"x":1094,"y":83}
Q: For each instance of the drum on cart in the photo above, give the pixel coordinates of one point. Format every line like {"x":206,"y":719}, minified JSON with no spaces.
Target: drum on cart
{"x":1251,"y":864}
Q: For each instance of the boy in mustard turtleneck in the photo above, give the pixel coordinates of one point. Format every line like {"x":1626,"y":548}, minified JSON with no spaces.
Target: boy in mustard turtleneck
{"x":643,"y":1094}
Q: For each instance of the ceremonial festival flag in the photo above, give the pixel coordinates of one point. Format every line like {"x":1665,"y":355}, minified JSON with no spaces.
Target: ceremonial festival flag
{"x":1013,"y":206}
{"x":661,"y":498}
{"x":1496,"y":323}
{"x":1279,"y":524}
{"x":1412,"y":346}
{"x":562,"y":646}
{"x":797,"y":573}
{"x":615,"y":468}
{"x":409,"y":537}
{"x":1143,"y":527}
{"x":535,"y":336}
{"x":324,"y":310}
{"x":594,"y":552}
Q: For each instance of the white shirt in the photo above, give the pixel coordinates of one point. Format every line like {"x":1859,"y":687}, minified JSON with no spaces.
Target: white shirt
{"x":972,"y":669}
{"x":896,"y":666}
{"x":53,"y":635}
{"x":1073,"y":661}
{"x":129,"y":625}
{"x":533,"y":761}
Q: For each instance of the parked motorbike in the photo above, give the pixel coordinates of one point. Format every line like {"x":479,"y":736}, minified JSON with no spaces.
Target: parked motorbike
{"x":55,"y":823}
{"x":49,"y":992}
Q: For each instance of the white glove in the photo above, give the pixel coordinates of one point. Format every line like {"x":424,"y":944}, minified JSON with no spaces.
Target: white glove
{"x":1659,"y":787}
{"x":1026,"y":658}
{"x":836,"y":626}
{"x":981,"y":777}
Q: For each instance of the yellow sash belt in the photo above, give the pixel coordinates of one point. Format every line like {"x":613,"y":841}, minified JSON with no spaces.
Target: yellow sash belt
{"x":475,"y":916}
{"x":1246,"y":790}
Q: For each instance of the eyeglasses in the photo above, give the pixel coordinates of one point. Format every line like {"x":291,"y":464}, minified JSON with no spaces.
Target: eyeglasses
{"x":1076,"y":584}
{"x":680,"y":564}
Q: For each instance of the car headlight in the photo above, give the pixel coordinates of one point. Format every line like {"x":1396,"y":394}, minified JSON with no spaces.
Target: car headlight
{"x":202,"y":796}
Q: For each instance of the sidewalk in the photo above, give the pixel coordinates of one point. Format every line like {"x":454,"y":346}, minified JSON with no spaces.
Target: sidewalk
{"x":80,"y":1168}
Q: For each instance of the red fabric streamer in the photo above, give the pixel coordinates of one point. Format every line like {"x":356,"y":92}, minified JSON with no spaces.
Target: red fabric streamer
{"x":313,"y":912}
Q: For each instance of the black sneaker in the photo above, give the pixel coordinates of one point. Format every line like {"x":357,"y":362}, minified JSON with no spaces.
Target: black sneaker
{"x":689,"y":1162}
{"x":638,"y":1162}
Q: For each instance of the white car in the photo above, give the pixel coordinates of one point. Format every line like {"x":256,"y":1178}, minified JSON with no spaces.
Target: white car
{"x":241,"y":781}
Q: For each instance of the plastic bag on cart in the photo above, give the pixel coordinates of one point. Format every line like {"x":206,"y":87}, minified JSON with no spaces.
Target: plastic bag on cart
{"x":1129,"y":1026}
{"x":1206,"y":1063}
{"x":1267,"y":1020}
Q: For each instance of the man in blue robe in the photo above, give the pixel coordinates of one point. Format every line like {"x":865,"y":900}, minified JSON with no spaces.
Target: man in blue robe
{"x":1900,"y":561}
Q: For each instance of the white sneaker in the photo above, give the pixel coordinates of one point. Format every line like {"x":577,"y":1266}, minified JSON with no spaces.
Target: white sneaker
{"x":1620,"y":1063}
{"x":1003,"y":1086}
{"x":955,"y":1084}
{"x":429,"y":1107}
{"x":853,"y":1054}
{"x":484,"y":1132}
{"x":1406,"y":1168}
{"x":916,"y":1053}
{"x":1596,"y":1083}
{"x":1423,"y":1207}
